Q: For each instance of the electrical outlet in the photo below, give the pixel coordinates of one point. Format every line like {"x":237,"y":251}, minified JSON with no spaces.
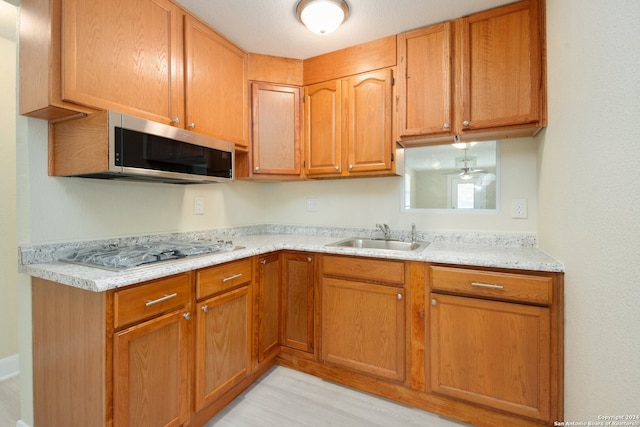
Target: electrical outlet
{"x":198,"y":206}
{"x":313,"y":205}
{"x":518,"y":208}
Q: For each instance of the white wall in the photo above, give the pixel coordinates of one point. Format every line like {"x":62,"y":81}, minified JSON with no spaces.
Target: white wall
{"x":363,"y":202}
{"x":69,"y":209}
{"x":589,"y":198}
{"x":8,"y":253}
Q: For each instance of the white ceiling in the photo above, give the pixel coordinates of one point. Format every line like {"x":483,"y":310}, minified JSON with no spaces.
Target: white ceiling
{"x":271,"y":27}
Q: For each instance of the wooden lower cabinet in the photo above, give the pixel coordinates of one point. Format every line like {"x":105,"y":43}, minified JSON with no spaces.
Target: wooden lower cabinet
{"x":363,"y":327}
{"x":298,"y":323}
{"x":492,"y":353}
{"x":363,"y":322}
{"x":223,"y":344}
{"x":151,"y":372}
{"x":268,"y":307}
{"x":495,"y":339}
{"x":479,"y":345}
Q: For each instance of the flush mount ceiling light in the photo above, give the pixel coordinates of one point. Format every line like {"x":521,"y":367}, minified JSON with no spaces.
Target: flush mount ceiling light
{"x":322,"y":16}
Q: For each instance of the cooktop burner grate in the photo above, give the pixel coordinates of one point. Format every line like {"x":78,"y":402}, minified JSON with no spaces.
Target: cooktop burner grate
{"x":119,"y":258}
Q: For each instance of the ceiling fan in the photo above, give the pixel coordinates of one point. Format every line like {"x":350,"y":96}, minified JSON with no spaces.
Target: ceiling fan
{"x":466,"y":172}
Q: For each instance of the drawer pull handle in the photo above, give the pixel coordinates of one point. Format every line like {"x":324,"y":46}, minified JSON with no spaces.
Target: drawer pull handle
{"x":486,"y":285}
{"x":234,"y":276}
{"x":164,"y":298}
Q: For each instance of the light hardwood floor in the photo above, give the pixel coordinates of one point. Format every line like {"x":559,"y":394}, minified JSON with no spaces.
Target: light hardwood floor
{"x":9,"y":402}
{"x":287,"y":398}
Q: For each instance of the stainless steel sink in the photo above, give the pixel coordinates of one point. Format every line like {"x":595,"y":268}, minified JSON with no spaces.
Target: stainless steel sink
{"x":389,"y":245}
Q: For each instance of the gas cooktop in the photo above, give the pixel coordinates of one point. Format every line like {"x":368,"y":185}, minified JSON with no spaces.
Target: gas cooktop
{"x":120,"y":258}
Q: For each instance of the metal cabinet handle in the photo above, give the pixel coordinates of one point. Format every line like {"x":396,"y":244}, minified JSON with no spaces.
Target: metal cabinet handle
{"x":192,"y":125}
{"x":465,"y":123}
{"x":309,"y":259}
{"x":350,"y":167}
{"x":399,"y":296}
{"x":257,"y":168}
{"x":176,"y":121}
{"x":204,"y":308}
{"x":447,"y":125}
{"x":233,"y":276}
{"x":187,"y":316}
{"x":264,"y":261}
{"x":164,"y":298}
{"x":337,"y":168}
{"x":434,"y":302}
{"x":486,"y":285}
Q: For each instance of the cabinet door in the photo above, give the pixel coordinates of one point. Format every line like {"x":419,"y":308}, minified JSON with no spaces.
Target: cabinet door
{"x":424,"y":81}
{"x":275,"y":129}
{"x":367,"y":123}
{"x":323,"y":128}
{"x":217,"y":102}
{"x":222,"y":344}
{"x":124,"y":56}
{"x":500,"y":67}
{"x":151,"y":372}
{"x":493,"y":353}
{"x":363,"y":327}
{"x":298,"y":301}
{"x":268,"y":302}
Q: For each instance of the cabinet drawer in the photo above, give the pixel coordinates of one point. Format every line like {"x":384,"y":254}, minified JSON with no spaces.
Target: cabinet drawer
{"x":507,"y":286}
{"x":364,"y":268}
{"x":215,"y":279}
{"x":143,"y":302}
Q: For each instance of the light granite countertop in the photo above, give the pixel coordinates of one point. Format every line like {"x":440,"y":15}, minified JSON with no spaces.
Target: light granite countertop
{"x":486,"y":250}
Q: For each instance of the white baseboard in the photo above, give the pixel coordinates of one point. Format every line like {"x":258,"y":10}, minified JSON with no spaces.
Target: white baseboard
{"x":21,"y":423}
{"x":9,"y":367}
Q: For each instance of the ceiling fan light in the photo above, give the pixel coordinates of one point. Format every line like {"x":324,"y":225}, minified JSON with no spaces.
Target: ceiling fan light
{"x":464,"y":145}
{"x":322,"y":16}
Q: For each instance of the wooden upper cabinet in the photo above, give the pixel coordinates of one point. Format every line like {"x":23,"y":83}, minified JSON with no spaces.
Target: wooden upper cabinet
{"x":101,"y":55}
{"x":367,"y":121}
{"x":425,"y":90}
{"x":501,"y":67}
{"x":276,"y":127}
{"x":348,"y":125}
{"x":147,"y":58}
{"x":217,"y":101}
{"x":479,"y":77}
{"x":323,"y":128}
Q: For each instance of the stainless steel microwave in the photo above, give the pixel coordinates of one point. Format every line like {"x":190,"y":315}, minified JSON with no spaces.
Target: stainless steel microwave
{"x":112,"y":145}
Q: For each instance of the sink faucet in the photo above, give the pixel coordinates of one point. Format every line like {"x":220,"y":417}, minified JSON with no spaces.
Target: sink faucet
{"x":385,"y":229}
{"x":414,"y":237}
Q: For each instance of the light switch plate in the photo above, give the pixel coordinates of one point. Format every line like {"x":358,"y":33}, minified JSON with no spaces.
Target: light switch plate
{"x":198,"y":206}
